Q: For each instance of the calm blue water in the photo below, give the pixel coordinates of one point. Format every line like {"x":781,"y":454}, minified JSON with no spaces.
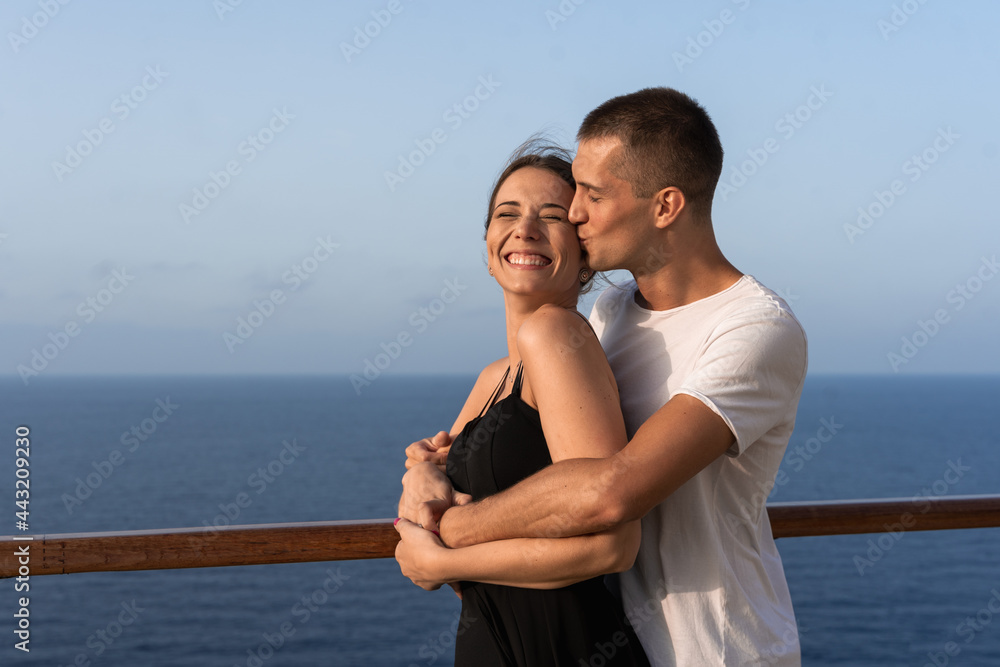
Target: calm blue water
{"x":894,"y":437}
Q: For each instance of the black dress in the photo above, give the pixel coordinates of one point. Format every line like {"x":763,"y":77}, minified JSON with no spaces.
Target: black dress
{"x":502,"y":625}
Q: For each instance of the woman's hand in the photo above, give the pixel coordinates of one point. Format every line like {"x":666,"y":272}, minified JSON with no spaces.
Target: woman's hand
{"x":434,"y":450}
{"x":420,"y":554}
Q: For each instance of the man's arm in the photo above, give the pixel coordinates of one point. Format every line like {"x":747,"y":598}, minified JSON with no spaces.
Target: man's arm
{"x":579,"y":496}
{"x":751,"y":371}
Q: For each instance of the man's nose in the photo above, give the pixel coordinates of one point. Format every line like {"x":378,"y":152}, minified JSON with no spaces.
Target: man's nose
{"x":577,"y":213}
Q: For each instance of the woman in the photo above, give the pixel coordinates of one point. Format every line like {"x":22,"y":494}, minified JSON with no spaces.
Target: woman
{"x":533,"y":601}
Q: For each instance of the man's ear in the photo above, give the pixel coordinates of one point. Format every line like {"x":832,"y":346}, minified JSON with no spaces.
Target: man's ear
{"x":669,"y":203}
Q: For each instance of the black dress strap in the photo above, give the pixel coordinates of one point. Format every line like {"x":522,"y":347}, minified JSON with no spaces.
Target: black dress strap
{"x":516,"y":389}
{"x":496,"y":393}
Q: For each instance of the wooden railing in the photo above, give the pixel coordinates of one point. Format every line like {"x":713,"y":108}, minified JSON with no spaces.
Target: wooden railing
{"x":352,"y":540}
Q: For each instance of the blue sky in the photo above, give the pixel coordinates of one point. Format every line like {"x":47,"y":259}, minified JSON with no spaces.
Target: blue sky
{"x":170,"y":169}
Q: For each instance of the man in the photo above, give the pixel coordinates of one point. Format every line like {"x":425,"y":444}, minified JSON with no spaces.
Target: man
{"x":710,"y":365}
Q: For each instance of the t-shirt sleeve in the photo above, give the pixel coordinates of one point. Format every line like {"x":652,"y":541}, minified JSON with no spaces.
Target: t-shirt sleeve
{"x":750,"y":374}
{"x":604,"y":307}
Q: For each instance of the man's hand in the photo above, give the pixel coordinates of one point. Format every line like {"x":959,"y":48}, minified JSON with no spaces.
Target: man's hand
{"x":434,"y":450}
{"x":427,"y":493}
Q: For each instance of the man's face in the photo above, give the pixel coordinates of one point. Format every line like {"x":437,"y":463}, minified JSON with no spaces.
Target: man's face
{"x":611,"y":223}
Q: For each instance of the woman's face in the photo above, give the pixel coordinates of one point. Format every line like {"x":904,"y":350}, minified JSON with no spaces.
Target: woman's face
{"x":531,"y":244}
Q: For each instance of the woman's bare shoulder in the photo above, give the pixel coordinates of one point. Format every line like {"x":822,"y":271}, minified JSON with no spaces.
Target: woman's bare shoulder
{"x":553,"y":327}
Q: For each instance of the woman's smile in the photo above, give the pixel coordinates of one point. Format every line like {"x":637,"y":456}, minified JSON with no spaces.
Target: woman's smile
{"x":527,"y":260}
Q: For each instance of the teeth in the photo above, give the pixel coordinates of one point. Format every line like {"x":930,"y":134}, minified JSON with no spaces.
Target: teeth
{"x":530,"y":260}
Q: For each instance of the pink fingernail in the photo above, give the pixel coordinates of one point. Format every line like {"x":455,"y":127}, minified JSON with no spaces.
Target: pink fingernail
{"x":397,"y":520}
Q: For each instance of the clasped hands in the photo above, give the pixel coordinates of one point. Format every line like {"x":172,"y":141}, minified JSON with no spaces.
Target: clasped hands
{"x":427,"y":493}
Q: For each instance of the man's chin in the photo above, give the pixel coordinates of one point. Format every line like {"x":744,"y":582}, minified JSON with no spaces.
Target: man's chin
{"x":596,"y":264}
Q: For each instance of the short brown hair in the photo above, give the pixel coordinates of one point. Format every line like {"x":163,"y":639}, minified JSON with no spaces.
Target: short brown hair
{"x":668,"y":139}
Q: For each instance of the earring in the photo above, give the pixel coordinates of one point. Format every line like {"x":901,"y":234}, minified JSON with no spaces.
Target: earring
{"x":584,"y":275}
{"x":491,"y":270}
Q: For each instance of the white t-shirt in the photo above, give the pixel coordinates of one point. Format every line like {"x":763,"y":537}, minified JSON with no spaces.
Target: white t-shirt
{"x":708,"y":587}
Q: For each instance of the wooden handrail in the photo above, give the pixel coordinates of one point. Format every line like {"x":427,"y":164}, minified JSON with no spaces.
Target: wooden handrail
{"x":852,"y":517}
{"x":351,"y":540}
{"x":259,"y":544}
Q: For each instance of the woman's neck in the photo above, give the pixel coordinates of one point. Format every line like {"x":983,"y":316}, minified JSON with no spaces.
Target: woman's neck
{"x":518,"y":309}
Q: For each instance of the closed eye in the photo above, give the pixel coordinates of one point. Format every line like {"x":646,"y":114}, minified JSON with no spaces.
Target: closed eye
{"x":559,"y":212}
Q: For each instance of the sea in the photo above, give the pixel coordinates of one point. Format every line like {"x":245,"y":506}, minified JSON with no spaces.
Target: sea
{"x":178,"y":451}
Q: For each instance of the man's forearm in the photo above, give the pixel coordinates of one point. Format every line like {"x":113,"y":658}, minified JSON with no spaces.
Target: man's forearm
{"x":571,"y":497}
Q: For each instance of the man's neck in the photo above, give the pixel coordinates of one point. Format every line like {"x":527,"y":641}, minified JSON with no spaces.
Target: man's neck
{"x":678,"y":284}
